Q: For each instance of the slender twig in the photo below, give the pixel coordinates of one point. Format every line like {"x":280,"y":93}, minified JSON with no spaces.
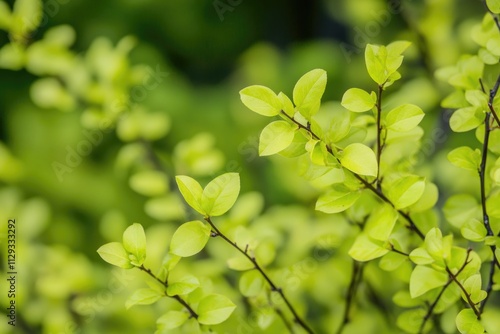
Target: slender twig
{"x":398,"y":251}
{"x":436,"y":301}
{"x":467,"y":295}
{"x":356,"y":278}
{"x":192,"y":313}
{"x":379,"y":134}
{"x":412,"y":226}
{"x":257,"y":267}
{"x":493,"y":93}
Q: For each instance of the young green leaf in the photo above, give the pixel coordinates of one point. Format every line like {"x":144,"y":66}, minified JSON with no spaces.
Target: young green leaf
{"x":114,"y":253}
{"x":404,"y":118}
{"x":251,"y":283}
{"x":220,"y":194}
{"x":360,"y":159}
{"x":466,"y":158}
{"x":494,"y":6}
{"x":473,"y":287}
{"x":365,"y":249}
{"x":134,"y":242}
{"x":467,"y":322}
{"x":172,"y":319}
{"x":434,"y":243}
{"x":424,"y":278}
{"x":375,"y":57}
{"x":338,"y":199}
{"x":358,"y":100}
{"x":214,"y":309}
{"x":143,"y":297}
{"x":183,"y":286}
{"x":191,"y":190}
{"x":421,"y":256}
{"x":308,"y":91}
{"x":460,"y":208}
{"x":466,"y":119}
{"x":149,"y":183}
{"x":406,"y":191}
{"x":261,"y":100}
{"x":276,"y":137}
{"x":240,"y":263}
{"x":286,"y":104}
{"x":381,"y":223}
{"x":411,"y":320}
{"x":474,"y":230}
{"x":190,"y":238}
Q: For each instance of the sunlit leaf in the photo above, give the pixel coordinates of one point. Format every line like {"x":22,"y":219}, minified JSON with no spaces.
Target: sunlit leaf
{"x":190,"y":238}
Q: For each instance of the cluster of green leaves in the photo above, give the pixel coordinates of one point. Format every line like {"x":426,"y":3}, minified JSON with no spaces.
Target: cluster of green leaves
{"x":188,"y":240}
{"x":363,"y":164}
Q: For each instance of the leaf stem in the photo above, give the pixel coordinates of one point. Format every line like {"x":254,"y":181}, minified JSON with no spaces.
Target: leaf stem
{"x":412,"y":226}
{"x":192,"y":313}
{"x":467,"y":295}
{"x":379,"y":134}
{"x":257,"y":267}
{"x":436,"y":301}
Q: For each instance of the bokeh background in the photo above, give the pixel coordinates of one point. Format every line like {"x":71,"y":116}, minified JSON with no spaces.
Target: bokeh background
{"x":174,"y":68}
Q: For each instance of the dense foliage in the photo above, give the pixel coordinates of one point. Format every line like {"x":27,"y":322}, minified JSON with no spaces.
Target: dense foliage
{"x":362,"y":195}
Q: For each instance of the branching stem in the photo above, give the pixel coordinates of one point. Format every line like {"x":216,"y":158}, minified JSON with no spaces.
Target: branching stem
{"x":257,"y":267}
{"x":436,"y":301}
{"x":412,"y":226}
{"x":356,"y":278}
{"x":192,"y":313}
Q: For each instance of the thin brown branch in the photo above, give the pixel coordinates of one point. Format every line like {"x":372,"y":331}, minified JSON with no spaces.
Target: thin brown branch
{"x":257,"y":267}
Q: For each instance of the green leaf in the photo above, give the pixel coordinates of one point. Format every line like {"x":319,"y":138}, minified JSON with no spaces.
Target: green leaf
{"x":220,"y":194}
{"x":114,"y":253}
{"x":466,"y":119}
{"x":406,"y":191}
{"x":492,"y":205}
{"x":190,"y":238}
{"x":134,"y":242}
{"x":428,"y":199}
{"x":424,"y":278}
{"x":365,"y":249}
{"x":392,"y":261}
{"x":276,"y":137}
{"x":464,"y":157}
{"x":381,"y":223}
{"x":149,"y":183}
{"x":358,"y":100}
{"x":421,"y":256}
{"x":338,"y":199}
{"x":172,"y":319}
{"x":251,"y":283}
{"x":494,"y":6}
{"x":214,"y":309}
{"x":308,"y":91}
{"x":286,"y":104}
{"x":191,"y":190}
{"x":434,"y":243}
{"x":474,"y":230}
{"x":360,"y":159}
{"x":404,"y":118}
{"x":411,"y":320}
{"x":143,"y":297}
{"x":183,"y":286}
{"x":460,"y":208}
{"x":473,"y":287}
{"x":467,"y":322}
{"x":375,"y":63}
{"x":340,"y":121}
{"x":261,"y":100}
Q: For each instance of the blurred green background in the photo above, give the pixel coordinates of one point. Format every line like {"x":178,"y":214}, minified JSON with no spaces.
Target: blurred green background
{"x":194,"y":122}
